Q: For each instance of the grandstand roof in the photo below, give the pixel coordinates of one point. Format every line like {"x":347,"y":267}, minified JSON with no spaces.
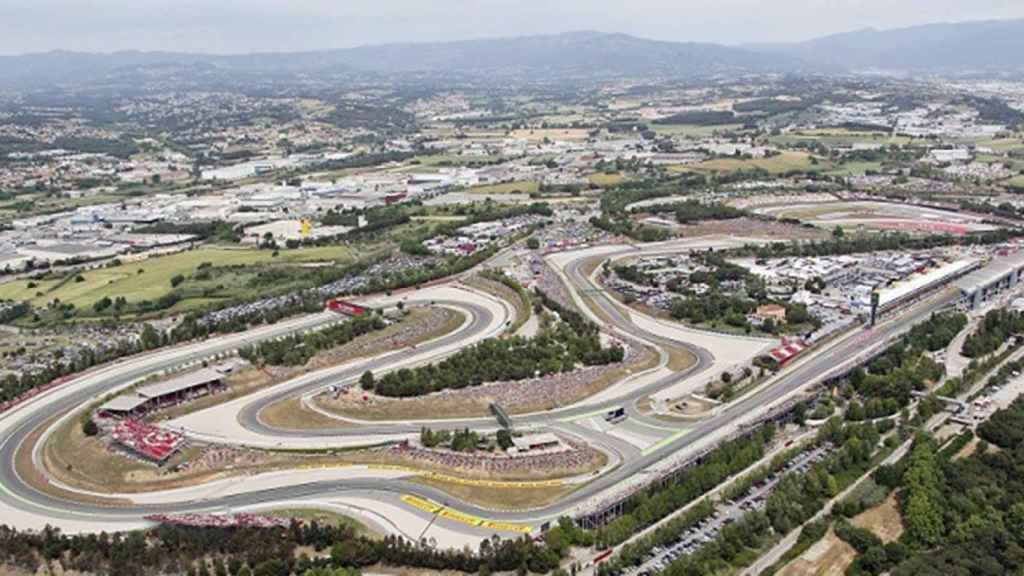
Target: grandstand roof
{"x":920,"y":281}
{"x":994,"y":271}
{"x":181,"y":383}
{"x":125,"y":403}
{"x":528,"y":442}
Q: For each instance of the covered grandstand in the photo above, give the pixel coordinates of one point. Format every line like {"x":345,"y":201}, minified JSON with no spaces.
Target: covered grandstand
{"x":911,"y":288}
{"x":166,"y":393}
{"x":994,"y":279}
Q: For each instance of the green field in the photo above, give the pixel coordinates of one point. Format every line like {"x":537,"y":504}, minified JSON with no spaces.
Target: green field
{"x":692,"y":130}
{"x":1016,"y":183}
{"x":780,"y":164}
{"x":522,"y":187}
{"x":854,"y":168}
{"x":837,"y":138}
{"x":154,"y":281}
{"x":605,"y":180}
{"x":436,"y":160}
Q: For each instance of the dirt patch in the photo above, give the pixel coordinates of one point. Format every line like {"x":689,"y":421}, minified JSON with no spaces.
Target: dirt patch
{"x":884,"y":520}
{"x":830,"y":556}
{"x":691,"y":406}
{"x":326,"y":518}
{"x":968,"y":450}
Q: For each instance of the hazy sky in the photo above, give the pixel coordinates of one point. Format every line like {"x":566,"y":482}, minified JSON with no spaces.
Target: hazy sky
{"x":290,"y":25}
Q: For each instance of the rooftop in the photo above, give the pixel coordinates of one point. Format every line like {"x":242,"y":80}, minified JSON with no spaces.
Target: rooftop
{"x":994,"y":271}
{"x":919,"y":281}
{"x":125,"y":403}
{"x":526,"y":442}
{"x":183,"y":382}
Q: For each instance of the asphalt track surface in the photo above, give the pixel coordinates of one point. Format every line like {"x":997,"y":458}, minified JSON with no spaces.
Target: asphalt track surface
{"x":15,"y":492}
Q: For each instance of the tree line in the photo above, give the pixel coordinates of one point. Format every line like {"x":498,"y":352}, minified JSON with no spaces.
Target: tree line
{"x":297,"y":349}
{"x":995,"y":329}
{"x":249,"y":551}
{"x":558,"y":348}
{"x":838,"y":245}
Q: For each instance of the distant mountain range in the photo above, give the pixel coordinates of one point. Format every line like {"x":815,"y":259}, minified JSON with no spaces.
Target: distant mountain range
{"x":996,"y":45}
{"x":993,"y":45}
{"x":558,"y":55}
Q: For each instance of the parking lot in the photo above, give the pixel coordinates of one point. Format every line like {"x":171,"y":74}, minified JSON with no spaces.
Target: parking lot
{"x":726,"y":512}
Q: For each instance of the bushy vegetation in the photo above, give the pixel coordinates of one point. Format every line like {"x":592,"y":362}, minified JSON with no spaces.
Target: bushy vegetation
{"x":690,"y":211}
{"x":297,"y":349}
{"x":273,"y":551}
{"x":700,"y":118}
{"x":995,"y":329}
{"x":558,"y":348}
{"x":874,"y":243}
{"x":658,"y":501}
{"x":962,"y":516}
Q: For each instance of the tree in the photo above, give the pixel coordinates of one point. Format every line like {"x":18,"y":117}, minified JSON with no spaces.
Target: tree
{"x":150,"y":337}
{"x":366,"y":381}
{"x":102,"y":304}
{"x":504,"y":439}
{"x":89,"y":428}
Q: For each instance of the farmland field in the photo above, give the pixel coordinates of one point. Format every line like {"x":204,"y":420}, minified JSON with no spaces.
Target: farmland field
{"x":154,"y":280}
{"x":780,"y":164}
{"x":520,"y":187}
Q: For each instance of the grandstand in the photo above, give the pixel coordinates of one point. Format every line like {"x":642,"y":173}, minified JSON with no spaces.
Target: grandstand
{"x":169,"y":392}
{"x":146,"y":441}
{"x":542,"y":441}
{"x":994,"y":279}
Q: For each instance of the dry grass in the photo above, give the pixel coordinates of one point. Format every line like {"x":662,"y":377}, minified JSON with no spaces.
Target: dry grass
{"x":253,"y":380}
{"x":35,"y":478}
{"x":503,"y":292}
{"x":519,"y":187}
{"x":456,"y":405}
{"x":752,"y":228}
{"x":87,"y":463}
{"x":830,"y":556}
{"x":785,"y":162}
{"x":884,"y":520}
{"x":291,"y":414}
{"x":679,"y":359}
{"x":692,"y":406}
{"x":969,"y":449}
{"x":605,"y":179}
{"x":350,"y":404}
{"x":327,"y":518}
{"x":539,"y":134}
{"x":501,"y":498}
{"x":397,"y":458}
